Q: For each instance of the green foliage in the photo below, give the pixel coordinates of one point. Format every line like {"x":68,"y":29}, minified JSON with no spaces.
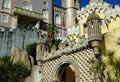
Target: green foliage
{"x":51,"y":40}
{"x":57,"y":42}
{"x":31,"y":49}
{"x":100,"y":67}
{"x":51,"y":29}
{"x":109,"y":77}
{"x":12,"y":72}
{"x":110,"y":55}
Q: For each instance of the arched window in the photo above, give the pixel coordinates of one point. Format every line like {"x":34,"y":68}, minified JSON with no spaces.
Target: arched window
{"x":7,"y":4}
{"x":27,"y":6}
{"x":57,"y":19}
{"x":45,"y":13}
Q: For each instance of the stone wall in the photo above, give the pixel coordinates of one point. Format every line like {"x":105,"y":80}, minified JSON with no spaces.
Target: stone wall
{"x":21,"y":55}
{"x":17,"y":38}
{"x":81,"y":60}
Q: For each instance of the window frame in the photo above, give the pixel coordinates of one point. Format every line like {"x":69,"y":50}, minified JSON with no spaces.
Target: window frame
{"x":45,"y":14}
{"x":7,"y":4}
{"x":57,"y":19}
{"x":4,"y":18}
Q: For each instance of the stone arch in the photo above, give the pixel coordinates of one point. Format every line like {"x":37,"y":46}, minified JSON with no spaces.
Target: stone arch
{"x":65,"y":60}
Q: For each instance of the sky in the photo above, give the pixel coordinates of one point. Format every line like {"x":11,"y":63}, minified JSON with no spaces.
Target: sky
{"x":84,"y":2}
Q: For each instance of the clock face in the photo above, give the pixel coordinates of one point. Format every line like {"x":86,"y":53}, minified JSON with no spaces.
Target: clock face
{"x":27,"y":6}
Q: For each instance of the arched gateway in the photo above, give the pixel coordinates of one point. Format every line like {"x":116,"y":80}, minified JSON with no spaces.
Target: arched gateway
{"x":65,"y":70}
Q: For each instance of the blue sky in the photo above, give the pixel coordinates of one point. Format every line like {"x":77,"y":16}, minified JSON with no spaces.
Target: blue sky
{"x":84,"y":2}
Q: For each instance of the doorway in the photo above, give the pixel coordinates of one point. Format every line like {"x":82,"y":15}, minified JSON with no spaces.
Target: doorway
{"x":66,"y":73}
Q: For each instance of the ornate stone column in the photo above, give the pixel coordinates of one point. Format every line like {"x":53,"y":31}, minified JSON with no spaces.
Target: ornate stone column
{"x":77,"y":79}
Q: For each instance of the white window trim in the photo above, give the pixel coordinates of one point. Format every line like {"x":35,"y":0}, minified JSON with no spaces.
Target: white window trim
{"x":4,"y":18}
{"x":7,"y":4}
{"x":45,"y":14}
{"x":57,"y":19}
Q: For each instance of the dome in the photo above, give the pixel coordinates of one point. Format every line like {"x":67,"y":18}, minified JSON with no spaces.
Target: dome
{"x":93,"y":16}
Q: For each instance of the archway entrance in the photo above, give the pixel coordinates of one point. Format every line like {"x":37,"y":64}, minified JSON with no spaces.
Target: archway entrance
{"x":66,"y":73}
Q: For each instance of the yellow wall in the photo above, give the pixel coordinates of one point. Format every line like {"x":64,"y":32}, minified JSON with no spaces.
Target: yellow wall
{"x":70,"y":74}
{"x":83,"y":20}
{"x":112,"y":35}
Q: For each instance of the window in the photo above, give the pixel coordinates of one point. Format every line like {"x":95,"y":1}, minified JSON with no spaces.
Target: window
{"x":4,"y":18}
{"x":45,"y":2}
{"x":27,"y":6}
{"x":7,"y":3}
{"x":57,"y":19}
{"x":45,"y":14}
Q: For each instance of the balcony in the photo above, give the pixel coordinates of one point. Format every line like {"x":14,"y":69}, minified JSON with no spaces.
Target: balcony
{"x":27,"y":13}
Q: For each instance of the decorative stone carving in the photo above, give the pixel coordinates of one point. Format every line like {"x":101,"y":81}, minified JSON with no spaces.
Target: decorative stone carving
{"x":94,"y":31}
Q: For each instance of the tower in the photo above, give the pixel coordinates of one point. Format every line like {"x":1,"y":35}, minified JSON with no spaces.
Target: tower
{"x":40,"y":51}
{"x":71,"y":10}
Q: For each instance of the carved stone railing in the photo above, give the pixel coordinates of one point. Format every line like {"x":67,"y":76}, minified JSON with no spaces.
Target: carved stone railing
{"x":92,"y":6}
{"x":74,"y":47}
{"x":28,"y":13}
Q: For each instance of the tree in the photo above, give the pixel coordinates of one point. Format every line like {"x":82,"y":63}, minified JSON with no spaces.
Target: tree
{"x":12,"y":72}
{"x":109,"y":67}
{"x":31,"y":49}
{"x":51,"y":36}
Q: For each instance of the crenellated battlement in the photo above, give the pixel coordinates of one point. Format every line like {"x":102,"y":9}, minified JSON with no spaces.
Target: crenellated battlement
{"x":91,"y":7}
{"x":112,"y":13}
{"x":73,"y":30}
{"x":59,"y":9}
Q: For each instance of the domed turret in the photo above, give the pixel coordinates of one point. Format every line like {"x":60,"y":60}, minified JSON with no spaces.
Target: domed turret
{"x":94,"y":27}
{"x":93,"y":16}
{"x":94,"y":31}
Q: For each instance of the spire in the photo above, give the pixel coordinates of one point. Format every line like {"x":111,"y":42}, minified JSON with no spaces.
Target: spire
{"x":96,"y":1}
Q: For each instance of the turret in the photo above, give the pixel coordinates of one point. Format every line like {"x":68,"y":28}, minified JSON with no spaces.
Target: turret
{"x":71,"y":10}
{"x":40,"y":51}
{"x":94,"y":32}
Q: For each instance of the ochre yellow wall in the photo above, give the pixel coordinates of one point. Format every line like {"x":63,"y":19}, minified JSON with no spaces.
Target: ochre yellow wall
{"x":110,"y":30}
{"x":70,"y":74}
{"x":112,"y":35}
{"x":83,"y":20}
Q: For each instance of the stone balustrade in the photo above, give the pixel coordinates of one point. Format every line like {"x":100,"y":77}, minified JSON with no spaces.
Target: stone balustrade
{"x":82,"y":44}
{"x":28,"y":13}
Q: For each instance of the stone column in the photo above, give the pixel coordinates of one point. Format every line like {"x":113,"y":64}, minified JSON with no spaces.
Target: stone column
{"x":38,"y":24}
{"x":14,"y":21}
{"x":77,"y":78}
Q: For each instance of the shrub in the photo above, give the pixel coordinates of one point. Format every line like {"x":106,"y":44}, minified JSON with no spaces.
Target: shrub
{"x":12,"y":72}
{"x":31,"y":49}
